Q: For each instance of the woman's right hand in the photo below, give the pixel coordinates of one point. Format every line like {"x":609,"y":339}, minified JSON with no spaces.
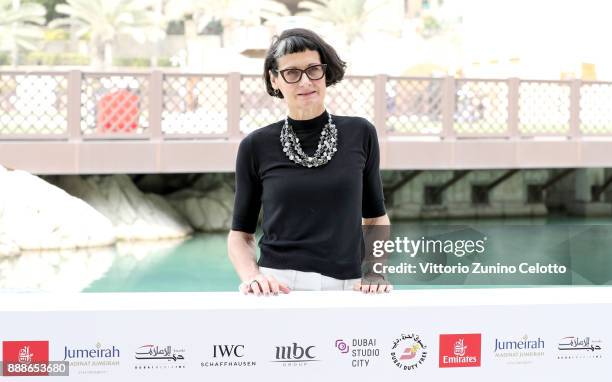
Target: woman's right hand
{"x":263,"y":285}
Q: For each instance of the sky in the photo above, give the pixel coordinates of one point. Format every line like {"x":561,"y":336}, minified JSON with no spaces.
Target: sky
{"x":563,"y":33}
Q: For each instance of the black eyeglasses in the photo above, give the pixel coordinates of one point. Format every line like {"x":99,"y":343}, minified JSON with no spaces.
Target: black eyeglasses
{"x":294,"y":75}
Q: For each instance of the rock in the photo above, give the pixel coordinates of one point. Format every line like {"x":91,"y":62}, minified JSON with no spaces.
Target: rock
{"x":155,"y":183}
{"x":37,"y":215}
{"x":206,"y":211}
{"x":163,"y":184}
{"x":134,"y":214}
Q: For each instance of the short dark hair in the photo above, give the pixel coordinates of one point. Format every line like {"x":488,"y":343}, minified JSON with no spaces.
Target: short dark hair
{"x":299,"y":40}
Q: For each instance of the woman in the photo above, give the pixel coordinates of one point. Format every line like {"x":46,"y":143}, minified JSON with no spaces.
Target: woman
{"x":316,"y":175}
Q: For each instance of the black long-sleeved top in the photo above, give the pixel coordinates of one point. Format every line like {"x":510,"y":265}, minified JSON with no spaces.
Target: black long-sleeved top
{"x":311,"y":216}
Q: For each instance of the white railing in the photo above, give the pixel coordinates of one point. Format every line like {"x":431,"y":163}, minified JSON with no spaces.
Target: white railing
{"x":77,"y":105}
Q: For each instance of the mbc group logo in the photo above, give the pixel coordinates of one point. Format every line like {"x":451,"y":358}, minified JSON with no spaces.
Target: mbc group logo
{"x":460,"y":350}
{"x":295,"y":355}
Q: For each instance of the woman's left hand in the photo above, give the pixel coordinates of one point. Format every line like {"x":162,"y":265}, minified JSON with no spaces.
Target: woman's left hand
{"x":373,"y":285}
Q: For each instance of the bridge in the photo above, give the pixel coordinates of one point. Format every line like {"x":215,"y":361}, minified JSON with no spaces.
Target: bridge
{"x":79,"y":122}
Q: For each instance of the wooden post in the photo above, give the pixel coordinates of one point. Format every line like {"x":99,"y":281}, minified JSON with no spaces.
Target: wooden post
{"x":448,"y":107}
{"x":233,"y":106}
{"x":75,"y":78}
{"x":156,"y":104}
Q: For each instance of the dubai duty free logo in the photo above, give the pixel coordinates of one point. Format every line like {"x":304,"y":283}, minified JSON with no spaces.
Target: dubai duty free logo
{"x":460,"y":350}
{"x":408,"y":352}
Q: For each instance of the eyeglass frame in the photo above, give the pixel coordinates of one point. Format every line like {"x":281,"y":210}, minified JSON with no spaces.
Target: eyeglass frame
{"x":302,"y":72}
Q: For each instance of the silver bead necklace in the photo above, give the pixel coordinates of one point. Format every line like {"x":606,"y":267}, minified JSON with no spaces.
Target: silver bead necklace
{"x":327,"y":147}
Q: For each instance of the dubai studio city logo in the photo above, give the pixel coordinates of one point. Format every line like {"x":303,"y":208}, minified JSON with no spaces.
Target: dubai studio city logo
{"x":460,"y":350}
{"x":521,"y":350}
{"x":154,"y":357}
{"x":295,"y":355}
{"x":228,"y":356}
{"x":408,"y":352}
{"x":579,"y":348}
{"x":361,"y":351}
{"x":96,"y":360}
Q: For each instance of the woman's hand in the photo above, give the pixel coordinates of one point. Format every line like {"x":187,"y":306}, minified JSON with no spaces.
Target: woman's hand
{"x":373,"y":283}
{"x":262,"y":284}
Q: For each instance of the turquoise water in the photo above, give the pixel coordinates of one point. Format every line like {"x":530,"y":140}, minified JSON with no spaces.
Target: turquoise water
{"x":200,"y":263}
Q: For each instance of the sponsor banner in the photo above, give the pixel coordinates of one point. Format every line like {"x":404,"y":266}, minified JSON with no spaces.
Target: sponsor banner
{"x":438,"y":342}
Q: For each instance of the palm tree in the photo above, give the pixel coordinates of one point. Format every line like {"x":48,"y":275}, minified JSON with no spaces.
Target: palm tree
{"x":20,"y":26}
{"x":350,"y":16}
{"x":105,"y":20}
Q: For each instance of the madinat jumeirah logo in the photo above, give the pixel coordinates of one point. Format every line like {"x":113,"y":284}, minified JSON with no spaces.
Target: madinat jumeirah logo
{"x":408,"y":352}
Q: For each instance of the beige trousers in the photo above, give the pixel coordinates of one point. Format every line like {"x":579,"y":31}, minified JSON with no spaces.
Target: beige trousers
{"x":298,"y":280}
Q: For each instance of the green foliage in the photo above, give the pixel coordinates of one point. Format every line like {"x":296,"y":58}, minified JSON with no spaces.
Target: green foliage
{"x":164,"y":62}
{"x":140,"y":62}
{"x":5,"y":58}
{"x":50,"y":59}
{"x":431,"y":26}
{"x":56,"y":35}
{"x":105,"y":20}
{"x":49,"y":6}
{"x":20,"y":26}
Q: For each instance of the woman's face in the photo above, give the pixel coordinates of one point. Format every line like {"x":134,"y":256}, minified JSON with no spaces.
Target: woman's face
{"x":306,"y":94}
